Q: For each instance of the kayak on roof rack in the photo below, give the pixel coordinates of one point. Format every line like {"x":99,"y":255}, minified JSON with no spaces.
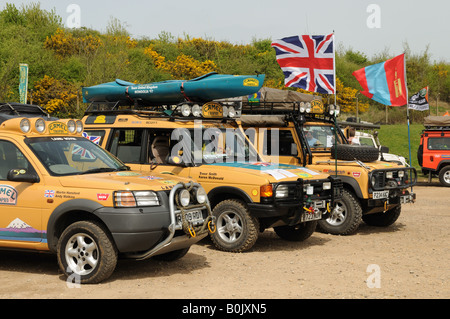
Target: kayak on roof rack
{"x":205,"y":88}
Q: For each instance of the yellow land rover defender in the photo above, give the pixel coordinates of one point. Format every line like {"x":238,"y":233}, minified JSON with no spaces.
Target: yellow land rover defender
{"x":61,"y":193}
{"x":309,"y":135}
{"x":205,"y":143}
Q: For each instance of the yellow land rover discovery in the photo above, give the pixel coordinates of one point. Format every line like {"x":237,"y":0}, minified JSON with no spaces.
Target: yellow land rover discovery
{"x":61,"y":193}
{"x":205,"y":143}
{"x":309,"y":135}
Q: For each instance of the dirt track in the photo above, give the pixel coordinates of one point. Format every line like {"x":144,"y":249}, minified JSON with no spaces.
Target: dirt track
{"x":411,"y":258}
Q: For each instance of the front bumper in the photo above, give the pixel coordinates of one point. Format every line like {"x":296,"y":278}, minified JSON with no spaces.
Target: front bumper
{"x":143,"y":232}
{"x":305,"y":197}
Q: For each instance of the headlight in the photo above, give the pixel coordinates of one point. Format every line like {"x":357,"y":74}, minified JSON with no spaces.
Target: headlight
{"x":326,"y":185}
{"x":200,"y":195}
{"x":146,"y":198}
{"x":40,"y":125}
{"x":373,"y":181}
{"x":134,"y":199}
{"x":25,"y":125}
{"x":401,"y":174}
{"x":282,"y":191}
{"x":184,"y":197}
{"x":389,"y":174}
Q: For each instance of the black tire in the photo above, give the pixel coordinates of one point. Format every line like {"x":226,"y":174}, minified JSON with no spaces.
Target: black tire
{"x":236,"y":229}
{"x":383,"y":219}
{"x":348,"y":152}
{"x":344,"y":218}
{"x":298,"y":232}
{"x":444,"y":176}
{"x":87,"y":244}
{"x":172,"y":255}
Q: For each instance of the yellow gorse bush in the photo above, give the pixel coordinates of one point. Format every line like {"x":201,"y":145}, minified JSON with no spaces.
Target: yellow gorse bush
{"x":184,"y":66}
{"x":65,"y":44}
{"x":53,"y":94}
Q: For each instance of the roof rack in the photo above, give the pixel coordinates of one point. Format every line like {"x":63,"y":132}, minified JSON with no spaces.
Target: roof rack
{"x":311,"y":110}
{"x":222,"y":109}
{"x":9,"y":110}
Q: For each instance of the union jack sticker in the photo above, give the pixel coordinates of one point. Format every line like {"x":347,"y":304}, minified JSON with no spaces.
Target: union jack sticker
{"x":49,"y":193}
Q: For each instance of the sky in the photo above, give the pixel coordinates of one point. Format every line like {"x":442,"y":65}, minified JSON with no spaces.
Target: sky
{"x":369,"y":26}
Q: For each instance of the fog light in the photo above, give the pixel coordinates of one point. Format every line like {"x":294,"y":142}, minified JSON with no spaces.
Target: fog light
{"x":40,"y":125}
{"x":25,"y":125}
{"x":79,"y":126}
{"x":71,"y":127}
{"x":196,"y":110}
{"x":200,"y":195}
{"x":184,"y":197}
{"x":185,"y":110}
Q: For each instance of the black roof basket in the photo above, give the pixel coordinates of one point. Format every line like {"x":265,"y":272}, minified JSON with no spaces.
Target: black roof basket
{"x":9,"y":110}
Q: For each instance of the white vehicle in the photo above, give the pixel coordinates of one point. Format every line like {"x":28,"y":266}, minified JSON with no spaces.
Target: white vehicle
{"x":367,"y":139}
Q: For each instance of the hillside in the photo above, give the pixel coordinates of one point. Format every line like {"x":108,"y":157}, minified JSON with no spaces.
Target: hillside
{"x":62,"y":60}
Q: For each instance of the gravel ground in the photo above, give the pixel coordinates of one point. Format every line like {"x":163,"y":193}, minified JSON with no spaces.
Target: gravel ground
{"x":406,"y":260}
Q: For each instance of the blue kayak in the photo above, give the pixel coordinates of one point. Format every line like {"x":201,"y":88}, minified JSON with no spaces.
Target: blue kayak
{"x":205,"y":88}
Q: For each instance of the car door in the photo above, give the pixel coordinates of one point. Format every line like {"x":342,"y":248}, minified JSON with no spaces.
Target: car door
{"x":20,"y":202}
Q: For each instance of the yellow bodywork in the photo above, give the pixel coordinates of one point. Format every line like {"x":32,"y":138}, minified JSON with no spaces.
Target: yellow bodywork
{"x":25,"y":208}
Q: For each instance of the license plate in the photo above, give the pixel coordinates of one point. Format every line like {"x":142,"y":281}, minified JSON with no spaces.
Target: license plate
{"x":307,"y":216}
{"x":380,"y":195}
{"x":195,"y":217}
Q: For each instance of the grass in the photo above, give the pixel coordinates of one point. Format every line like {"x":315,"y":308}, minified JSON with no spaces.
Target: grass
{"x":396,"y":138}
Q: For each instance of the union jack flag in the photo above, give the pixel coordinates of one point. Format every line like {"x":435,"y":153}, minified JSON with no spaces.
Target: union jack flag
{"x":93,"y":139}
{"x":307,"y":62}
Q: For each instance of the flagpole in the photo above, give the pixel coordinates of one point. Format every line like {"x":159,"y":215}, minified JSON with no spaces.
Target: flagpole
{"x":334,"y":69}
{"x":335,"y":104}
{"x":407,"y":111}
{"x":407,"y":117}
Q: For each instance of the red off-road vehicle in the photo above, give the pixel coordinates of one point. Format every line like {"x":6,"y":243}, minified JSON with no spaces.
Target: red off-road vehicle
{"x":434,"y":149}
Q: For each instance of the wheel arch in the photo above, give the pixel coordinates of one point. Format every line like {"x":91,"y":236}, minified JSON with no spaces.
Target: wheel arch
{"x":351,"y":184}
{"x":221,"y":193}
{"x":66,"y":214}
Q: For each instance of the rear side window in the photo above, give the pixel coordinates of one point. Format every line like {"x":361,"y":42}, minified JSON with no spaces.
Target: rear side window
{"x":439,"y":143}
{"x":126,"y":144}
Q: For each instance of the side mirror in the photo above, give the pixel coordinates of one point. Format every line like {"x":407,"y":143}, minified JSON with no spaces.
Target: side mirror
{"x":384,"y":149}
{"x":22,"y":175}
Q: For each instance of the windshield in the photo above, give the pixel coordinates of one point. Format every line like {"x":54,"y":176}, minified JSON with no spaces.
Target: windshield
{"x":214,"y":145}
{"x":320,"y":137}
{"x":72,"y":156}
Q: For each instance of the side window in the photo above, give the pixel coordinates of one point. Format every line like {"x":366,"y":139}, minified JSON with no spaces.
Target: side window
{"x":284,"y":143}
{"x":95,"y":136}
{"x":160,"y":146}
{"x":10,"y":158}
{"x":126,"y":144}
{"x":439,"y":143}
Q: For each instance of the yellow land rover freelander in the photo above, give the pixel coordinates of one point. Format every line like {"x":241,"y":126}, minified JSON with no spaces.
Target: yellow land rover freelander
{"x":309,"y":135}
{"x":205,"y":143}
{"x":61,"y":193}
